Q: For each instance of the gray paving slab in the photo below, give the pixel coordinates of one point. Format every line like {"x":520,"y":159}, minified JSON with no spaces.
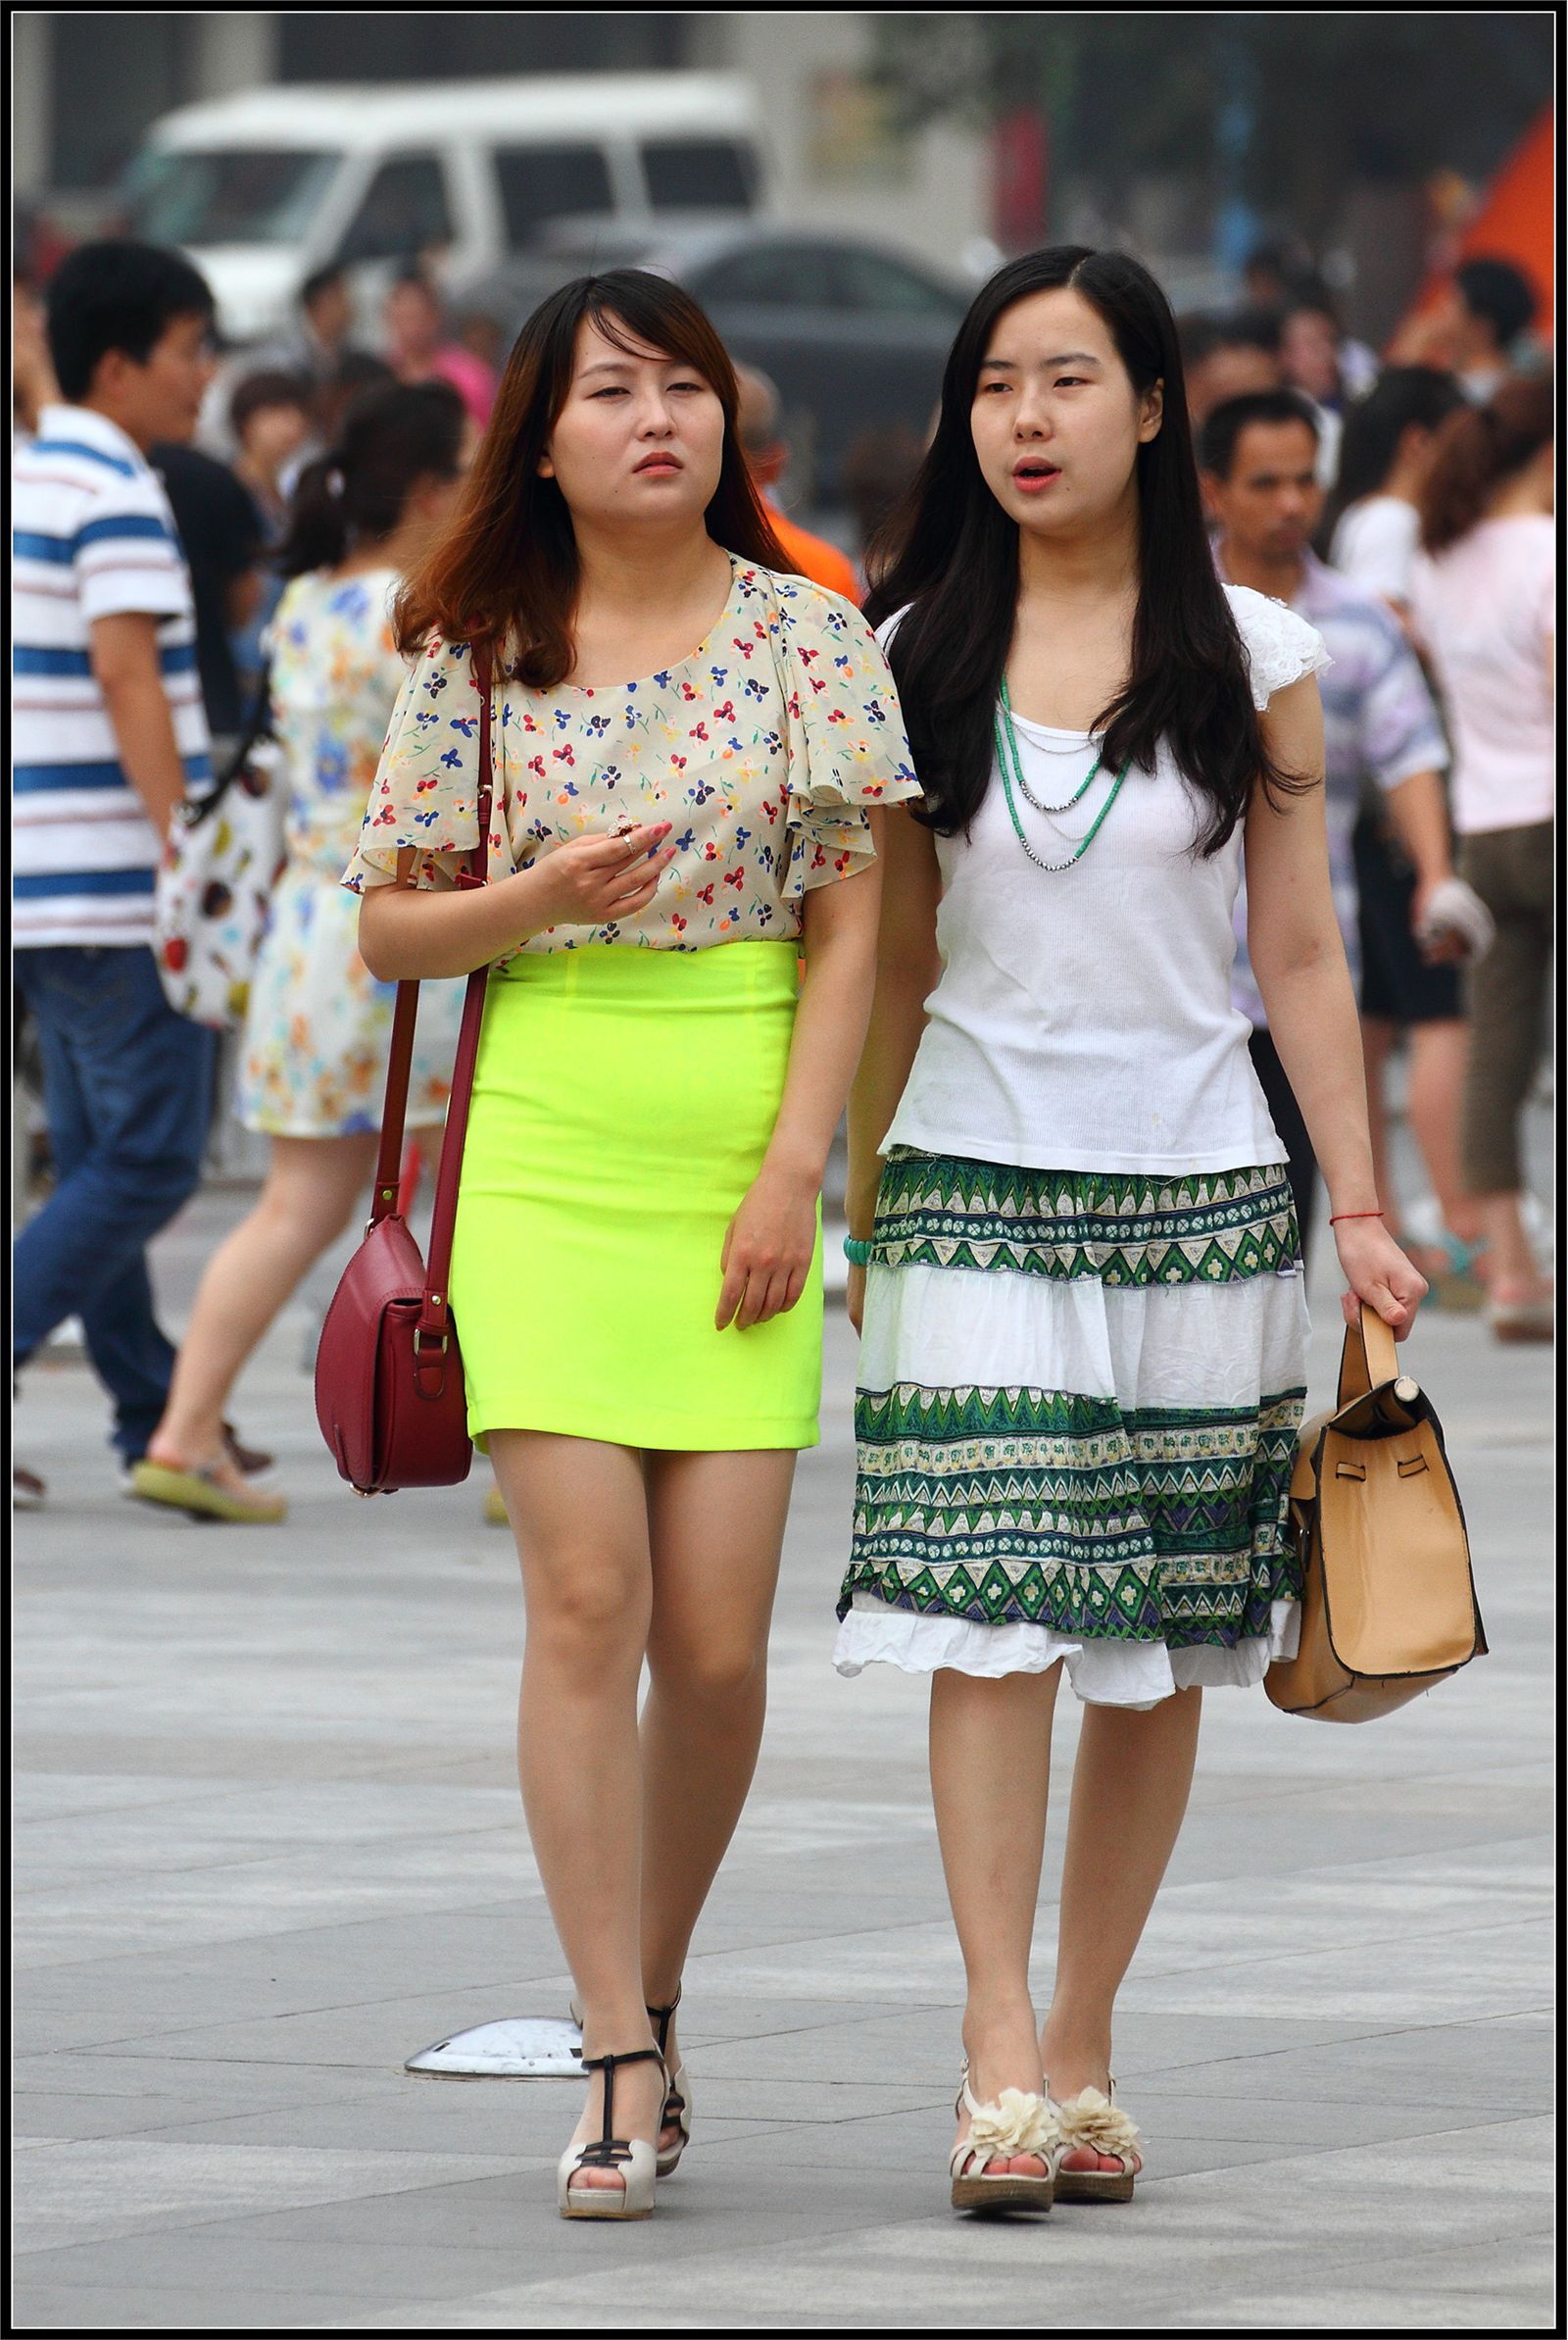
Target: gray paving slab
{"x":268,"y":1845}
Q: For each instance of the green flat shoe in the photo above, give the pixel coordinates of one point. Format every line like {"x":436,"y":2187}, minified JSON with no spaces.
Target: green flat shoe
{"x":198,"y":1493}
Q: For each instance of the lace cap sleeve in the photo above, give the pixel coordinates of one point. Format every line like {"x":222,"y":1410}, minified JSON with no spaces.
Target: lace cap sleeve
{"x":845,"y":733}
{"x":425,"y":792}
{"x":1281,"y":647}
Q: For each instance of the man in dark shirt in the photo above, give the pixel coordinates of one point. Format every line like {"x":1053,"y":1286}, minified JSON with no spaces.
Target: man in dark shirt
{"x":223,"y":538}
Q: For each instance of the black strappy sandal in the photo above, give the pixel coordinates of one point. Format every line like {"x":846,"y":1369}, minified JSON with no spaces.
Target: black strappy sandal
{"x":678,"y":2102}
{"x":633,"y":2156}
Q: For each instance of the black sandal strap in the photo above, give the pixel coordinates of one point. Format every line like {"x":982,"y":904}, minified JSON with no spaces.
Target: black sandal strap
{"x":610,"y":2148}
{"x":662,"y":2016}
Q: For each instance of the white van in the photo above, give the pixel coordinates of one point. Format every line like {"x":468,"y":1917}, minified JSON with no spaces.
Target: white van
{"x":263,"y":187}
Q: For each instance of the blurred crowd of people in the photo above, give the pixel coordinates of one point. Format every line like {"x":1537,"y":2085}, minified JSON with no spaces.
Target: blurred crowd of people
{"x":1401,"y":503}
{"x":1405,"y":508}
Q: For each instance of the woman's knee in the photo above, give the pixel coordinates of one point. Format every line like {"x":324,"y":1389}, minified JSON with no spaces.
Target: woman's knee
{"x":713,"y":1671}
{"x":587,"y":1613}
{"x":307,"y":1213}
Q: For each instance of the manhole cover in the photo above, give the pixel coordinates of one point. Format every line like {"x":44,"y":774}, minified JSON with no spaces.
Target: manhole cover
{"x":517,"y":2048}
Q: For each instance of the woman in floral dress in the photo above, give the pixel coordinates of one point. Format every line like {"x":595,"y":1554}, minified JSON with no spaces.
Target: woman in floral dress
{"x":1076,"y":1264}
{"x":689,"y":751}
{"x":314,"y":1056}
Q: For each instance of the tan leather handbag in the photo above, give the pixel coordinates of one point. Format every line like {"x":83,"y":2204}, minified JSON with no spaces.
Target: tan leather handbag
{"x":1387,"y":1602}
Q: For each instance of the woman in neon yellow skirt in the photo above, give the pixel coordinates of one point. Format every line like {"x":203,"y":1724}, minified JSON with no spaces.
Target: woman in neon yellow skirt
{"x":636,"y":1273}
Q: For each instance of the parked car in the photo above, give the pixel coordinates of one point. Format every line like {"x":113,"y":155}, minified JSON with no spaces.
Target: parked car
{"x":853,"y":332}
{"x":264,"y":186}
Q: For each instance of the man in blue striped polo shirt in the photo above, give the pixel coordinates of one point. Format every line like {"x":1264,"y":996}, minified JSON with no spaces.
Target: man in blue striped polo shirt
{"x":107,"y":733}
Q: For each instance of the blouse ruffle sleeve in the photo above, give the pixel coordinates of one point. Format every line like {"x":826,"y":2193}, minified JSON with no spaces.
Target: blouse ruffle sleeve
{"x":844,"y":733}
{"x":425,"y":792}
{"x":1281,"y":647}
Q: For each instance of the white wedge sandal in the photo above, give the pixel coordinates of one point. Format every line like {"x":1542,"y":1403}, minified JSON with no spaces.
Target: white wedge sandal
{"x":678,"y":2102}
{"x":1095,"y":2123}
{"x":633,"y":2157}
{"x":1016,"y":2123}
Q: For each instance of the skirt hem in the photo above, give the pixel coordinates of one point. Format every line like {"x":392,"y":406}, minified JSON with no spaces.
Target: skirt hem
{"x":664,"y":1435}
{"x":1135,"y":1676}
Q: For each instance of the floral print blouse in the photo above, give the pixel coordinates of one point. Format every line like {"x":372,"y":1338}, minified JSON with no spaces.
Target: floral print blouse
{"x":763,"y":747}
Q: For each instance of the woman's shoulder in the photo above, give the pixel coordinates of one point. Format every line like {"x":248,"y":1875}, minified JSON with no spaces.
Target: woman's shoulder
{"x":1377,"y":520}
{"x":298,"y":596}
{"x":326,"y":596}
{"x":1281,"y":646}
{"x":1531,"y":538}
{"x":803,"y":603}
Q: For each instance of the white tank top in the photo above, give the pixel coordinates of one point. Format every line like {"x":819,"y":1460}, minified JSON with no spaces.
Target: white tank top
{"x":1083,"y":1017}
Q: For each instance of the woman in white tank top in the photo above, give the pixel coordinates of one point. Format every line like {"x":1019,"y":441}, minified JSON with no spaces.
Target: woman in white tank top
{"x":1076,"y":1266}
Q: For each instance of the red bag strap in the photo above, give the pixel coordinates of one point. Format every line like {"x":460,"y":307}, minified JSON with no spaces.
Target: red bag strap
{"x":435,"y":1314}
{"x":389,"y":1161}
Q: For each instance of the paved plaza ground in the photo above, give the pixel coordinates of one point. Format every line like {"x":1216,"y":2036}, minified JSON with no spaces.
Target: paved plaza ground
{"x":270,"y":1844}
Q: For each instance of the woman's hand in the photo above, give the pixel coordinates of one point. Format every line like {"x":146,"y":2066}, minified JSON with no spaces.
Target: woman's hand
{"x":767,"y":1250}
{"x":855,"y":1296}
{"x":598,"y":880}
{"x":1378,"y":1272}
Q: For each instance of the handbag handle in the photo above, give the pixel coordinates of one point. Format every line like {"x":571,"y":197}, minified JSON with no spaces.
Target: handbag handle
{"x":257,"y":728}
{"x":435,"y":1313}
{"x":1369,"y":1360}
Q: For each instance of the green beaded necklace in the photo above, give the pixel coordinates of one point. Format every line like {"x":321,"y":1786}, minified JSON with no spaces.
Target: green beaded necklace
{"x":1007,"y":755}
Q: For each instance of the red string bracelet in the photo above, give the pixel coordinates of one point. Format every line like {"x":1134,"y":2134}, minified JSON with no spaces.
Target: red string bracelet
{"x":1336,"y":1215}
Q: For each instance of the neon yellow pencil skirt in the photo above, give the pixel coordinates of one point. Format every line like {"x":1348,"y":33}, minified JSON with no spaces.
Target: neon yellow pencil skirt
{"x":623,"y":1103}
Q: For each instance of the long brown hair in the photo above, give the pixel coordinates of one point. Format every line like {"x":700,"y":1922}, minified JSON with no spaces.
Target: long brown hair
{"x":505,"y":573}
{"x":1476,"y":450}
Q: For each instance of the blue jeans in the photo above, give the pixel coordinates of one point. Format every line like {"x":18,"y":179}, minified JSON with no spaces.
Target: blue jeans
{"x":128,"y":1091}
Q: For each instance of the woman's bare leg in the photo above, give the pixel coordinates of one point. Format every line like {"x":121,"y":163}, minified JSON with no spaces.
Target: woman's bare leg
{"x":1516,"y":1278}
{"x":990,"y":1781}
{"x":578,"y":1509}
{"x":1378,"y":1036}
{"x":1130,"y":1786}
{"x":716,"y":1529}
{"x":1437,"y":1056}
{"x":311,"y":1190}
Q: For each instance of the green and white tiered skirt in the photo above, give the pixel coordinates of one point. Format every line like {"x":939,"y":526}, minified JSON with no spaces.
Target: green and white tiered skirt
{"x":1078,"y":1405}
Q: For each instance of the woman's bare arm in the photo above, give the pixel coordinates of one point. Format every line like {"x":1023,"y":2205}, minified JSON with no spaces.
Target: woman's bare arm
{"x":408,"y":935}
{"x":768,"y":1252}
{"x":907,"y":965}
{"x":1297,"y":956}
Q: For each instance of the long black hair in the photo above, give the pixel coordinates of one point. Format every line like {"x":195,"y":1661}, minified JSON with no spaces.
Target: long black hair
{"x":1400,"y":397}
{"x":950,"y":557}
{"x":390,"y":438}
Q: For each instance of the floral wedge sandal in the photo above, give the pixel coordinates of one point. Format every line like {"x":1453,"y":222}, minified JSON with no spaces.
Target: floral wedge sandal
{"x":1096,"y":2123}
{"x":1016,"y":2124}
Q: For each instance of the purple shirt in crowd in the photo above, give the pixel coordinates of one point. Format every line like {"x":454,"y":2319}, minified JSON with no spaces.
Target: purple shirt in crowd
{"x":1380,"y":726}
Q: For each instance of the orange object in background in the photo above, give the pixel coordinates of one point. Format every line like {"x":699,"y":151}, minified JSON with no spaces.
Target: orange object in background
{"x":1517,"y":221}
{"x":814,"y":556}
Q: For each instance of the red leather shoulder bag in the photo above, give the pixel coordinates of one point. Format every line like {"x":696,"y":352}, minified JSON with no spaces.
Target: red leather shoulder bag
{"x":389,"y":1390}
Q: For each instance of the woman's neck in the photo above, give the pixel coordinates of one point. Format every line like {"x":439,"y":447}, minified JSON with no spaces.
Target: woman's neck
{"x":1098,"y":565}
{"x":620,"y":571}
{"x":400,"y":551}
{"x":1403,"y":483}
{"x":262,"y":483}
{"x":1523,"y":493}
